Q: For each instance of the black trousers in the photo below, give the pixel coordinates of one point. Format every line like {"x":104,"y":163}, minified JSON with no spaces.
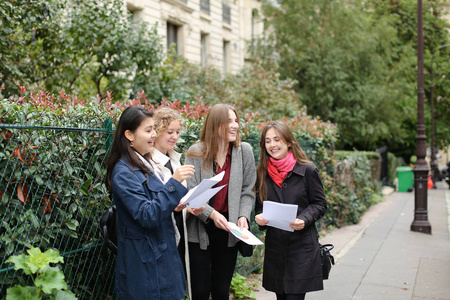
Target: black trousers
{"x":290,"y":296}
{"x":212,"y":269}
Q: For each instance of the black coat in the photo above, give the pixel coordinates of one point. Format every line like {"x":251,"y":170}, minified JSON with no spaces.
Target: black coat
{"x":292,"y":259}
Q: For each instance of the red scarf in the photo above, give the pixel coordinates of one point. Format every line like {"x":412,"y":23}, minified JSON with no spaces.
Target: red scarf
{"x":278,"y":169}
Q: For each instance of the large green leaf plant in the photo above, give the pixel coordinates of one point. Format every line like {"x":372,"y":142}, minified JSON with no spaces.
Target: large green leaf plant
{"x":49,"y":282}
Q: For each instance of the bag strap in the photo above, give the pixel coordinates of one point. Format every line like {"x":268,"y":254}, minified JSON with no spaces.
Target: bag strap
{"x":327,"y":247}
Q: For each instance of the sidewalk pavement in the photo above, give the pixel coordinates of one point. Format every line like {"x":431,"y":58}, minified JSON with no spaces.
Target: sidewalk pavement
{"x":381,"y":258}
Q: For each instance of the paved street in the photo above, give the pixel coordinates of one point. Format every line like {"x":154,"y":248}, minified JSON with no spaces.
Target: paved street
{"x":380,"y":258}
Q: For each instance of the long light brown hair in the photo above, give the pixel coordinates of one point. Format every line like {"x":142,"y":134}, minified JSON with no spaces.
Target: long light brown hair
{"x":213,"y":133}
{"x":288,"y":137}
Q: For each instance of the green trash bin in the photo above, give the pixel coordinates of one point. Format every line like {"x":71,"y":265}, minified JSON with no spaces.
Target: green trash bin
{"x":405,"y":177}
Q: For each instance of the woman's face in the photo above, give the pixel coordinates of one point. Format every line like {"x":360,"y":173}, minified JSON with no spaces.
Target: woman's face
{"x":168,"y":139}
{"x":276,"y":146}
{"x":233,"y":126}
{"x":143,"y":137}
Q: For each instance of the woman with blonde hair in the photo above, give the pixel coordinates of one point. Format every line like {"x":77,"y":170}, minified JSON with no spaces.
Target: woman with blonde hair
{"x":212,"y":248}
{"x":292,"y":264}
{"x":168,"y":126}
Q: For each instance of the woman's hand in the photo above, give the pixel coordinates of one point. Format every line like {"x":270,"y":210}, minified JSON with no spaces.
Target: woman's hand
{"x":196,"y":211}
{"x":182,"y":173}
{"x":180,"y":207}
{"x":260,"y":220}
{"x":242,"y":223}
{"x":219,"y":220}
{"x":298,"y":224}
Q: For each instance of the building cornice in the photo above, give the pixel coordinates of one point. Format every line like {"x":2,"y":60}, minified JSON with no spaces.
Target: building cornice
{"x":179,"y":4}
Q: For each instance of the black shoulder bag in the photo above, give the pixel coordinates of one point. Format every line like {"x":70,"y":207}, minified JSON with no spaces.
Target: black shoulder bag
{"x":326,"y":258}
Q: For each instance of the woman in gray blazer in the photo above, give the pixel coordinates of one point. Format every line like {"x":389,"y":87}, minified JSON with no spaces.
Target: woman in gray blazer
{"x":212,"y":248}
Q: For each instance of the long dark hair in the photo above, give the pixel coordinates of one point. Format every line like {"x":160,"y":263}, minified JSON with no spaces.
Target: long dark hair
{"x":214,"y":128}
{"x":288,"y":137}
{"x":130,"y":120}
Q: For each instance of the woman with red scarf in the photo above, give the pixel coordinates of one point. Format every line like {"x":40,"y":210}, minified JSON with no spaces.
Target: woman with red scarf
{"x":292,"y":259}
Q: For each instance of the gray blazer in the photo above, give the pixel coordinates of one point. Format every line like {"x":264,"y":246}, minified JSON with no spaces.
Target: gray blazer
{"x":241,"y":198}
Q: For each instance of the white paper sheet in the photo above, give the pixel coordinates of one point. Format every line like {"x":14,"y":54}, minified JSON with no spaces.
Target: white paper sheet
{"x":279,"y":215}
{"x":244,"y":234}
{"x":200,"y":195}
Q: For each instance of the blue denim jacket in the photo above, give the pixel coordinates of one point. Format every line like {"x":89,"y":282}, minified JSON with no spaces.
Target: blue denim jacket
{"x":148,"y":264}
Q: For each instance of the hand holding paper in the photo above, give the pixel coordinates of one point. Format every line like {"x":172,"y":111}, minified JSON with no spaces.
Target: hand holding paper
{"x":199,"y":195}
{"x":279,"y":215}
{"x":244,"y":234}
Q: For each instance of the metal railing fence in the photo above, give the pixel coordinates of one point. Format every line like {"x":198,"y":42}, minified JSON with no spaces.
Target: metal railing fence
{"x":52,"y":195}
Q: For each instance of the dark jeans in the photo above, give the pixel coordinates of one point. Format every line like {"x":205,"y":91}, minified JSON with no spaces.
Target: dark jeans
{"x":290,"y":296}
{"x":212,"y":269}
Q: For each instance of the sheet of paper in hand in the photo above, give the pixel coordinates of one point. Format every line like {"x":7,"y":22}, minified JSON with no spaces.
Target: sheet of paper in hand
{"x":244,"y":234}
{"x":279,"y":215}
{"x":200,"y":195}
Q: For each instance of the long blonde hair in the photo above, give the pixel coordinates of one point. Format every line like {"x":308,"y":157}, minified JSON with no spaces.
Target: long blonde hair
{"x":214,"y":130}
{"x":288,"y":137}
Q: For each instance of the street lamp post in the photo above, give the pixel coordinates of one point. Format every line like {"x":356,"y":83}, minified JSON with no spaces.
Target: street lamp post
{"x":420,"y":222}
{"x":433,"y":162}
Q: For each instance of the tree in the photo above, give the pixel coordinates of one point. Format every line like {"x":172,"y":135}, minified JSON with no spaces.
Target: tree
{"x":83,"y":47}
{"x":252,"y":89}
{"x":403,"y":15}
{"x":341,"y":56}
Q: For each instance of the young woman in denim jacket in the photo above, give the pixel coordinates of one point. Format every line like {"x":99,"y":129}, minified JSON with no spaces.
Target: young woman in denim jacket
{"x":148,"y":264}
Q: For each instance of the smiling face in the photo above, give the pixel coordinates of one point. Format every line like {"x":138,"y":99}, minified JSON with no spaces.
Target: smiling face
{"x":276,"y":146}
{"x":233,"y":126}
{"x":143,"y":137}
{"x":167,"y":140}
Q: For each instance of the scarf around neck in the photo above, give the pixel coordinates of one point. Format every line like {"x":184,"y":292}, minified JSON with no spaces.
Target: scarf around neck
{"x":279,"y":169}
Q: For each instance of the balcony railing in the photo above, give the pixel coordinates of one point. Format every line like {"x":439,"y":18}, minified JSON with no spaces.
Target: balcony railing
{"x":226,"y":13}
{"x":204,"y":6}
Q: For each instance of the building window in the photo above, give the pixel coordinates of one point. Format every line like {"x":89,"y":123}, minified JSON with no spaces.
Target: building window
{"x":226,"y":57}
{"x":204,"y":6}
{"x":204,"y":50}
{"x":226,"y":12}
{"x":172,"y":36}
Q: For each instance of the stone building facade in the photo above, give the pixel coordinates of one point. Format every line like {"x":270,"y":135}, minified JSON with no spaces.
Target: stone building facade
{"x":213,"y":33}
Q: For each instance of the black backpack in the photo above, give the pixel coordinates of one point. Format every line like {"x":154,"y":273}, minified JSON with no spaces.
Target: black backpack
{"x":108,"y":231}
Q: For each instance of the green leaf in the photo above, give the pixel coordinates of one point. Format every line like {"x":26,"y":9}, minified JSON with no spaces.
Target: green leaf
{"x":64,"y":295}
{"x":52,"y":278}
{"x":20,"y":263}
{"x":20,"y":293}
{"x":85,"y":187}
{"x":72,"y":224}
{"x":38,"y":179}
{"x":39,"y":261}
